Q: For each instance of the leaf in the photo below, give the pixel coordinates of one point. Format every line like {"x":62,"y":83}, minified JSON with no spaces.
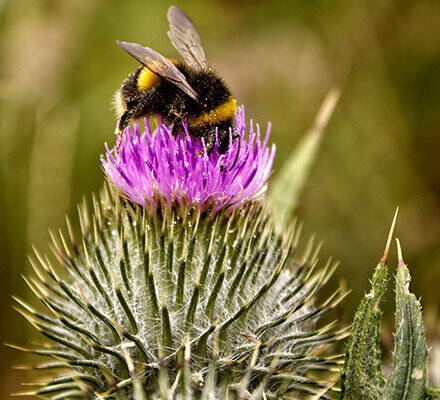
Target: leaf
{"x":432,"y":394}
{"x":362,"y":375}
{"x":288,"y":185}
{"x":408,"y":375}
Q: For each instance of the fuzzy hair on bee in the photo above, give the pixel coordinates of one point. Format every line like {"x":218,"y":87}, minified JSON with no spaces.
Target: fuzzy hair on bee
{"x":118,"y":104}
{"x":191,"y":91}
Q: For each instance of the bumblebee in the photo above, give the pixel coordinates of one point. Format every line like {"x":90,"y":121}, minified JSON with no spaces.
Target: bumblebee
{"x":178,"y":92}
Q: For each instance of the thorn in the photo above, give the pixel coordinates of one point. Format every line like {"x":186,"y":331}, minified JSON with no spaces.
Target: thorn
{"x":117,"y":326}
{"x":24,"y":314}
{"x":54,"y":241}
{"x":174,"y":386}
{"x":81,"y":293}
{"x":63,"y":240}
{"x":399,"y":253}
{"x":23,"y":394}
{"x":95,"y":232}
{"x":22,"y":367}
{"x":326,"y":328}
{"x":128,"y":358}
{"x":251,"y":338}
{"x":187,"y":346}
{"x":32,"y":384}
{"x":16,"y":347}
{"x":162,"y":298}
{"x":384,"y":258}
{"x":86,"y":252}
{"x":218,"y":319}
{"x":40,"y":258}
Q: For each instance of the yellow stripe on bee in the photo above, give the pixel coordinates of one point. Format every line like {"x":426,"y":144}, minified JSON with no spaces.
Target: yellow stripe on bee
{"x":219,"y":114}
{"x":146,"y":79}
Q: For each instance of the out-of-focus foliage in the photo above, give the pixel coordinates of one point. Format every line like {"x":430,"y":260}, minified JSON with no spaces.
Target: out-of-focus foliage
{"x":289,"y":184}
{"x":60,"y":66}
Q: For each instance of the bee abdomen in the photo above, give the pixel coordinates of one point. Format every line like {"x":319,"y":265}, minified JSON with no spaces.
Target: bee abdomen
{"x":217,"y":115}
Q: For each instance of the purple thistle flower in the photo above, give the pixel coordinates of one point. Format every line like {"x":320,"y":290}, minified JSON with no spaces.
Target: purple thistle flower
{"x":181,"y":171}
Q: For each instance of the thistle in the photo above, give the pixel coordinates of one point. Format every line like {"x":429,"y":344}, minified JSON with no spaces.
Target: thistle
{"x":179,"y":286}
{"x":180,"y":171}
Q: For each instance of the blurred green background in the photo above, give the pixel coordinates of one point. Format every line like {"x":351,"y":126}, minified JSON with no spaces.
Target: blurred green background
{"x":60,"y":67}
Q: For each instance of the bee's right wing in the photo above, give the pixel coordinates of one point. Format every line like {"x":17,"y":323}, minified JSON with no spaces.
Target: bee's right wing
{"x":185,"y":38}
{"x":158,"y":64}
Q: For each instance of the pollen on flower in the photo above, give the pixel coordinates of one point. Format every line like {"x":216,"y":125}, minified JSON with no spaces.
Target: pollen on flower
{"x":155,"y":165}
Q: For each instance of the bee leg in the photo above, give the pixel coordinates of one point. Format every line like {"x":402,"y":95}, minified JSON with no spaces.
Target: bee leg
{"x":119,"y":141}
{"x":123,"y":123}
{"x":176,"y":127}
{"x":238,"y":149}
{"x":210,"y":142}
{"x":173,"y":129}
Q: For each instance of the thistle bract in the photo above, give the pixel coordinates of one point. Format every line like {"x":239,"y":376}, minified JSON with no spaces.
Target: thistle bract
{"x":180,"y":301}
{"x":180,"y":170}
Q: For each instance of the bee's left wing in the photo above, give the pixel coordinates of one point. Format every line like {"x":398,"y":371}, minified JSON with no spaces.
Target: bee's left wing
{"x":160,"y":65}
{"x":185,"y":38}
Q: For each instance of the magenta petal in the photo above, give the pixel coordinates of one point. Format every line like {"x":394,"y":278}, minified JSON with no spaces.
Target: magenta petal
{"x":180,"y":168}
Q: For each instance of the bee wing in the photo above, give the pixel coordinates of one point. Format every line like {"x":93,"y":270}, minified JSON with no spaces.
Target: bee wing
{"x":158,"y":64}
{"x":185,"y":38}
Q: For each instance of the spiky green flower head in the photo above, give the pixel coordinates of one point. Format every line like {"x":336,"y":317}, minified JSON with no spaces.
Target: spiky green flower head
{"x":163,"y":297}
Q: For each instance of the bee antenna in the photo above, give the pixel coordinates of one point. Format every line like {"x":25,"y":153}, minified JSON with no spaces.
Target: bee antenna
{"x":238,"y":152}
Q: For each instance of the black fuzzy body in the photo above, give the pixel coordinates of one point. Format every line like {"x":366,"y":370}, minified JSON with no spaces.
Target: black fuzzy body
{"x":174,"y":106}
